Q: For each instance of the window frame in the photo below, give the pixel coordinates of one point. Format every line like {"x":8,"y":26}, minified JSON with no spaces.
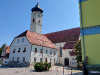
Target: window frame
{"x":22,"y":40}
{"x":18,"y":40}
{"x":23,"y":59}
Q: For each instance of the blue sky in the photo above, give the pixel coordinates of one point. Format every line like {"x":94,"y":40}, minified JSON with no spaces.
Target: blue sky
{"x":15,"y":17}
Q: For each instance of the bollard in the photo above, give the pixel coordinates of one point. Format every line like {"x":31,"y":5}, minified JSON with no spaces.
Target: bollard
{"x":63,"y":70}
{"x":71,"y":71}
{"x":51,"y":68}
{"x":47,"y":67}
{"x":56,"y":70}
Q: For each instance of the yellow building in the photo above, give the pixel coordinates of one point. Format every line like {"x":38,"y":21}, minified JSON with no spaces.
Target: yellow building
{"x":90,"y":30}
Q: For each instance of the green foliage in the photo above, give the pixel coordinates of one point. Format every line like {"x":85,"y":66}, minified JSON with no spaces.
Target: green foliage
{"x":78,"y":51}
{"x":2,"y":47}
{"x":40,"y":66}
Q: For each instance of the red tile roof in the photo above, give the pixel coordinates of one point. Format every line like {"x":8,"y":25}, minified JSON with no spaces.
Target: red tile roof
{"x":64,"y":36}
{"x":72,"y":54}
{"x":7,"y":49}
{"x":69,"y":45}
{"x":37,"y":39}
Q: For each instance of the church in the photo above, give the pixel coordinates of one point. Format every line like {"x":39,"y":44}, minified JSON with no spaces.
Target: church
{"x":32,"y":46}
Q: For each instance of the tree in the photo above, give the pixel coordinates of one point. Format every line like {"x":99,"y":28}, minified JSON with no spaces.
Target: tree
{"x":2,"y":47}
{"x":78,"y":51}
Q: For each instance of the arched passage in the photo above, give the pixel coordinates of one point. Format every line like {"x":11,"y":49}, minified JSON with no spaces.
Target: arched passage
{"x":66,"y":61}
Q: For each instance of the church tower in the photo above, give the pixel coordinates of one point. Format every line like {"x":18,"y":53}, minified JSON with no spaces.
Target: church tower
{"x":36,"y":19}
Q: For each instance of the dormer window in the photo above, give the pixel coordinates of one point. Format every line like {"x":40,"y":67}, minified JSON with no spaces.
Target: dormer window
{"x":23,"y":40}
{"x":18,"y":41}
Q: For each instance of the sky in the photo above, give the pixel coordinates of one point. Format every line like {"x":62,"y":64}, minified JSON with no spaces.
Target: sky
{"x":15,"y":17}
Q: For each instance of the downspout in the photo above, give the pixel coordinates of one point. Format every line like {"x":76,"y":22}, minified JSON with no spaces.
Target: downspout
{"x":82,"y":29}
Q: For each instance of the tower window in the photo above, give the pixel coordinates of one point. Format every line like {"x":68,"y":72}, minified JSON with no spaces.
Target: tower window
{"x":33,"y":20}
{"x":39,"y":21}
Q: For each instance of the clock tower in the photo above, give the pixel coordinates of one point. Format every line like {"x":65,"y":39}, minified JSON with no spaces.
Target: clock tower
{"x":36,"y":19}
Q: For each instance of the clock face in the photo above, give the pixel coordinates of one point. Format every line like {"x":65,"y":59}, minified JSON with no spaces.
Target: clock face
{"x":39,"y":15}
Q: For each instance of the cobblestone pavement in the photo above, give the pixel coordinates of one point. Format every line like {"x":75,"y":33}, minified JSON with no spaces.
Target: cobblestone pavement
{"x":5,"y":70}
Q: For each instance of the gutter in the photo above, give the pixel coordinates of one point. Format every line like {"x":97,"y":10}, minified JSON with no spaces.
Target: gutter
{"x":82,"y":29}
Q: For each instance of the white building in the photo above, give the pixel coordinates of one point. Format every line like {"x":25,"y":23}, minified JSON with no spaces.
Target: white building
{"x":31,"y":46}
{"x":64,"y":40}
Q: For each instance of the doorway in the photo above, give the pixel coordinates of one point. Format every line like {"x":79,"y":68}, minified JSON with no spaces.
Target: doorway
{"x":45,"y":59}
{"x":67,"y":61}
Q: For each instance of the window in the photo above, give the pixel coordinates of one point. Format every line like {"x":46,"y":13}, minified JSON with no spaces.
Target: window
{"x":54,"y":53}
{"x":60,"y":51}
{"x":33,"y":20}
{"x":54,"y":60}
{"x":35,"y":50}
{"x":13,"y":59}
{"x":14,"y":51}
{"x":18,"y":59}
{"x":34,"y":59}
{"x":23,"y":40}
{"x":69,"y":52}
{"x":23,"y":59}
{"x":18,"y":50}
{"x":50,"y":60}
{"x":46,"y":51}
{"x":50,"y":52}
{"x":24,"y":50}
{"x":18,"y":41}
{"x":39,"y":21}
{"x":41,"y":51}
{"x":40,"y":59}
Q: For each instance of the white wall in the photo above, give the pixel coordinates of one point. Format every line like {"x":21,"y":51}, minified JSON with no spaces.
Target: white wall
{"x":58,"y":45}
{"x":65,"y":54}
{"x":16,"y":45}
{"x":38,"y":55}
{"x":4,"y":60}
{"x":73,"y":61}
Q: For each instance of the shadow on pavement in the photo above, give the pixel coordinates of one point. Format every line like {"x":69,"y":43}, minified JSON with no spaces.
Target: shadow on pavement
{"x":3,"y":66}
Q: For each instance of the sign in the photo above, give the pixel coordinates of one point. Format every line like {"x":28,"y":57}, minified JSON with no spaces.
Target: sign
{"x":94,"y":72}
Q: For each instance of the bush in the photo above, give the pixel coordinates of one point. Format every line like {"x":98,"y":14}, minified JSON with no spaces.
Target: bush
{"x":40,"y":66}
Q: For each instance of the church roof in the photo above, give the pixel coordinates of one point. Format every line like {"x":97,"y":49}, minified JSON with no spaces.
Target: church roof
{"x":37,"y":39}
{"x":69,"y":45}
{"x":37,"y":8}
{"x":72,"y":53}
{"x":64,"y":36}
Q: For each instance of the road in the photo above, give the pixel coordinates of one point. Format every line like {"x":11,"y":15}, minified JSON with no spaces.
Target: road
{"x":55,"y":70}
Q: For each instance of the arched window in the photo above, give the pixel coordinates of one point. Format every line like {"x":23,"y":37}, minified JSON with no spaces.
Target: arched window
{"x":39,"y":21}
{"x":60,"y":51}
{"x":33,"y":20}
